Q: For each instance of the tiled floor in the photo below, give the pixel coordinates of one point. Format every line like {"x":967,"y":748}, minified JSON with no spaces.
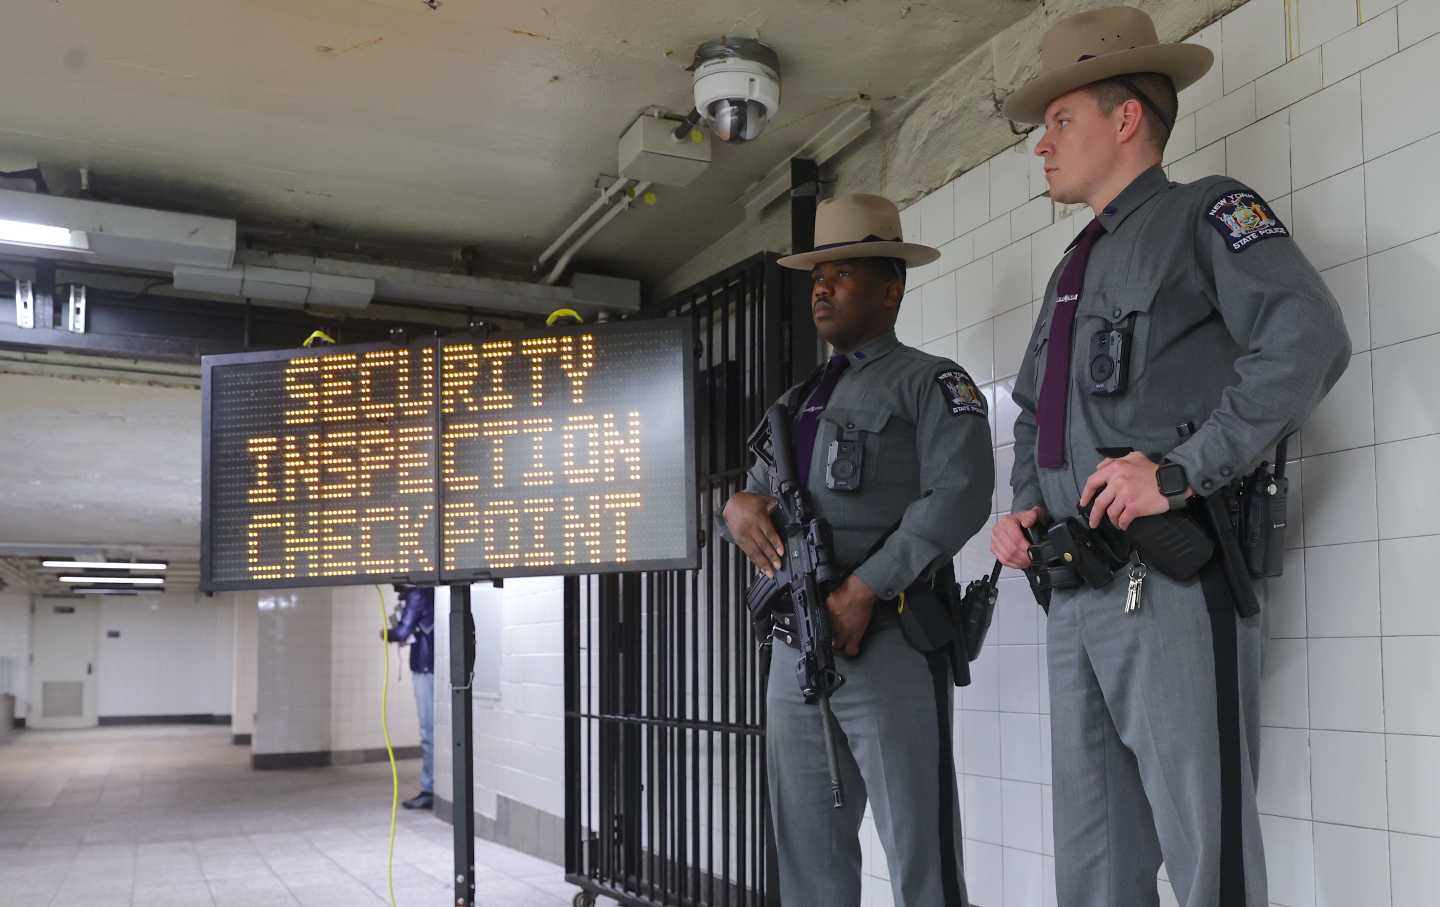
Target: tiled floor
{"x":175,"y":817}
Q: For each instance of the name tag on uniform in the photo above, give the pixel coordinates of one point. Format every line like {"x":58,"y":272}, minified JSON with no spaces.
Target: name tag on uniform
{"x":1243,"y":219}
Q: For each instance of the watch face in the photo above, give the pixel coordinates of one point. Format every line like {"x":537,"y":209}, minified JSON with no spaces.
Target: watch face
{"x":1171,"y":478}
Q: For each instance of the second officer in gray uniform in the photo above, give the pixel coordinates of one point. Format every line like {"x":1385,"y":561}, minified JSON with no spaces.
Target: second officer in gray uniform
{"x":1183,"y":323}
{"x":926,"y":471}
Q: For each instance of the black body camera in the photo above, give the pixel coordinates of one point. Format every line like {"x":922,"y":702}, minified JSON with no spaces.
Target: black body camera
{"x":1109,"y":370}
{"x":844,"y":461}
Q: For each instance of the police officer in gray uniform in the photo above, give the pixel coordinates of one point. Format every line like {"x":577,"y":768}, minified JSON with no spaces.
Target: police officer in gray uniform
{"x":925,"y":469}
{"x":1230,"y":339}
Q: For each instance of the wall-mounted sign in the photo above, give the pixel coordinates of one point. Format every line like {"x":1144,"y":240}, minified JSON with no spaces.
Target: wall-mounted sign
{"x":568,"y":451}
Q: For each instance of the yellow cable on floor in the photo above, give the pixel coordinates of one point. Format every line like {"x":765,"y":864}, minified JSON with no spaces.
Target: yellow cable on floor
{"x":389,"y":748}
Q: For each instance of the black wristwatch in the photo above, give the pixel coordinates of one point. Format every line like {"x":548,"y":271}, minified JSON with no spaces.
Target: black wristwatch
{"x":1173,"y":483}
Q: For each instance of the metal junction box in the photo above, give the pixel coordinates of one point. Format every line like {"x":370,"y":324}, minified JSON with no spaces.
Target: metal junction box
{"x":650,"y":153}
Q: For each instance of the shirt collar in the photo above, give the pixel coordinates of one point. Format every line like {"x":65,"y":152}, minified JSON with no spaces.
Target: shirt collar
{"x":1141,"y":190}
{"x":873,"y":350}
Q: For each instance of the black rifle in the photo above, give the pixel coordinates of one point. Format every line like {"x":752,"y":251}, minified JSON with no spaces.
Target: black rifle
{"x":807,"y":575}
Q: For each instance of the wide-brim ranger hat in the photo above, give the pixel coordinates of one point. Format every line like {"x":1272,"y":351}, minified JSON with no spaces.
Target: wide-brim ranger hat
{"x":859,"y":226}
{"x":1101,"y":44}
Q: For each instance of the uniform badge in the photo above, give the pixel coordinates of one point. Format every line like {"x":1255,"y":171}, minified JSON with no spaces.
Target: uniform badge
{"x":961,"y":393}
{"x":1243,"y":219}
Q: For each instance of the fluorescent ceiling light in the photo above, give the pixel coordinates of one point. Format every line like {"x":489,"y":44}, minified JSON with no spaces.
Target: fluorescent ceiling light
{"x":28,"y":234}
{"x":105,"y":591}
{"x":116,"y":580}
{"x":103,"y":565}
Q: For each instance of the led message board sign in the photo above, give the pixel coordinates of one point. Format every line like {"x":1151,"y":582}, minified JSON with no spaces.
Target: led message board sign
{"x":569,"y":451}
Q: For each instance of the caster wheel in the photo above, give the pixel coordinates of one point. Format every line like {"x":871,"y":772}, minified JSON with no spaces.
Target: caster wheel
{"x":583,"y":899}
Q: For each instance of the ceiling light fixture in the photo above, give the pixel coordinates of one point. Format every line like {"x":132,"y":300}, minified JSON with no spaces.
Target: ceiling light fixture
{"x":107,"y":591}
{"x":42,"y":235}
{"x":105,"y":565}
{"x":116,"y":580}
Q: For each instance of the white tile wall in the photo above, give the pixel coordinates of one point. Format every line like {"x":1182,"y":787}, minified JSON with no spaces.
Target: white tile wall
{"x":1332,"y":123}
{"x":1412,"y":678}
{"x":1253,"y":40}
{"x":1398,"y":280}
{"x":519,"y":737}
{"x":292,"y":712}
{"x":1326,"y":219}
{"x":182,"y":627}
{"x":1360,"y":47}
{"x":1326,"y":131}
{"x":1343,"y":584}
{"x":1414,"y":868}
{"x":1352,"y":866}
{"x":1412,"y":783}
{"x":1406,"y":589}
{"x":1289,"y":859}
{"x":1348,"y":775}
{"x":1262,"y":155}
{"x":1321,"y":20}
{"x":1392,"y":118}
{"x":15,"y":645}
{"x":1419,"y":19}
{"x":1350,"y":285}
{"x":972,"y":199}
{"x":1399,"y":207}
{"x":1297,"y":79}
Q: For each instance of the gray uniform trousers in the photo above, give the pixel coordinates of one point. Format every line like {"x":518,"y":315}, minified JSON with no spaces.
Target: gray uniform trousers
{"x":895,"y":747}
{"x":1155,"y":723}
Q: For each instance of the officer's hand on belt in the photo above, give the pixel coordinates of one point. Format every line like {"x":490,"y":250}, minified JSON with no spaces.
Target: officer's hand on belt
{"x":850,"y":607}
{"x":1008,"y":542}
{"x":1125,"y":489}
{"x":747,"y":516}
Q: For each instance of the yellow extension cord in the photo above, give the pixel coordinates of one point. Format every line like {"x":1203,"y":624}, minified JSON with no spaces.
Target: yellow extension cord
{"x":389,"y":748}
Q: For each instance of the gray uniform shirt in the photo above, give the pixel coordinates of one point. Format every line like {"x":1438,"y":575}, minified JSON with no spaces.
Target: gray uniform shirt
{"x":1234,"y":332}
{"x":928,"y":459}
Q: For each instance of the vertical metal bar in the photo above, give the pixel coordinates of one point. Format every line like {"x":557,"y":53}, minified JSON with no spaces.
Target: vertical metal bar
{"x":462,"y":723}
{"x":591,"y":773}
{"x":718,"y":368}
{"x":650,"y":653}
{"x":574,"y":785}
{"x":629,"y":734}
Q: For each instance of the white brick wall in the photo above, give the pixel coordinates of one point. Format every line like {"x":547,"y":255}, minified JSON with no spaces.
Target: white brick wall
{"x":1335,"y":123}
{"x":15,"y":645}
{"x":519,"y":735}
{"x":317,"y":675}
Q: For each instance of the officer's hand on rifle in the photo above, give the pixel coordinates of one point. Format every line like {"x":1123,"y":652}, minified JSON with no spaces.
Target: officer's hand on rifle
{"x":747,"y":516}
{"x":1008,"y":542}
{"x":850,"y":608}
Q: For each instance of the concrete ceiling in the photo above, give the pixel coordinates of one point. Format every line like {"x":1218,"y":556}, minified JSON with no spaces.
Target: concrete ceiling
{"x":476,"y":123}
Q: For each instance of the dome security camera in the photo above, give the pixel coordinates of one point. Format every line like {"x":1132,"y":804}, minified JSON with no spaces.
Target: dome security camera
{"x":737,"y":87}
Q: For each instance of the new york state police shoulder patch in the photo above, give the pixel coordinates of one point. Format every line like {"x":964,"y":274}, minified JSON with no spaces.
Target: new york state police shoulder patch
{"x":1243,"y":218}
{"x":961,"y":393}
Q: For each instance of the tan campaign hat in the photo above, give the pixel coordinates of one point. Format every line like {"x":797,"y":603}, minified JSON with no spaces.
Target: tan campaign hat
{"x":859,"y":226}
{"x":1101,"y":44}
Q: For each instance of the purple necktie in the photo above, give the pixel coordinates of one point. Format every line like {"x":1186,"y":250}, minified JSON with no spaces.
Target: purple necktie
{"x":807,"y":422}
{"x":1055,"y":392}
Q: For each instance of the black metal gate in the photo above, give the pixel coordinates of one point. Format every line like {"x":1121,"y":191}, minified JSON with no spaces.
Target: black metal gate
{"x":664,"y":707}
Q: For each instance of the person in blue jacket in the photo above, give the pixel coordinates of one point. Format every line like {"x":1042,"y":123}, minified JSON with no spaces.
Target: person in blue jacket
{"x":416,"y":625}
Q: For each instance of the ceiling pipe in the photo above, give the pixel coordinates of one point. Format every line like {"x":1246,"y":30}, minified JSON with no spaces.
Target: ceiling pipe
{"x":605,"y":196}
{"x":589,"y":234}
